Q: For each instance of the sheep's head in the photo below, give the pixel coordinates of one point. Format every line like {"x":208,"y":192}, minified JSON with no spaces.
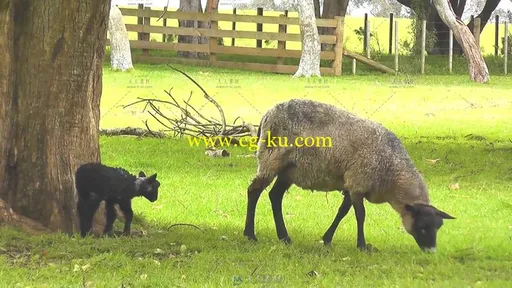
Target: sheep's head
{"x":424,"y":223}
{"x":148,"y":186}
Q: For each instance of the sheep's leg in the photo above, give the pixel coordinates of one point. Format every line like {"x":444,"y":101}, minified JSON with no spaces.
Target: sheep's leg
{"x":357,"y":202}
{"x":253,"y":194}
{"x":276,"y":198}
{"x":111,"y":217}
{"x":86,"y":210}
{"x":126,"y":208}
{"x":342,"y":212}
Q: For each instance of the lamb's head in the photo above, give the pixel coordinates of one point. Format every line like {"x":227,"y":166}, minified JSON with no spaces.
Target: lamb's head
{"x":422,"y":222}
{"x":147,"y":186}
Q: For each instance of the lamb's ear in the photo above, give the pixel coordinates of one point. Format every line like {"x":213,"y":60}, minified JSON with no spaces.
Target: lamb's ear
{"x":142,"y":174}
{"x":151,"y":178}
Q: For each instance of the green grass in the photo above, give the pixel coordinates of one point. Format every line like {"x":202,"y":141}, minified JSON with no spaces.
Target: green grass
{"x":431,"y":114}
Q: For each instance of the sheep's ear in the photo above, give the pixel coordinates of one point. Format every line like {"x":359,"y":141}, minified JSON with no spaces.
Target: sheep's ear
{"x":411,"y":208}
{"x":142,"y":174}
{"x":444,"y":215}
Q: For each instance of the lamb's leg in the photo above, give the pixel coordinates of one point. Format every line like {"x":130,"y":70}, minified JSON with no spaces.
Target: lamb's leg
{"x":126,"y":208}
{"x":276,"y":198}
{"x":86,"y":210}
{"x":253,"y":194}
{"x":111,"y":217}
{"x":342,"y":212}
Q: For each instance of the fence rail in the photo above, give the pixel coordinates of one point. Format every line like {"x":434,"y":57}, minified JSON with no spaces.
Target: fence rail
{"x":143,"y":28}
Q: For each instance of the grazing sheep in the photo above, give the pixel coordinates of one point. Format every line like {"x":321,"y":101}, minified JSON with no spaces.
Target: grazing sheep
{"x":96,"y":182}
{"x":365,"y":161}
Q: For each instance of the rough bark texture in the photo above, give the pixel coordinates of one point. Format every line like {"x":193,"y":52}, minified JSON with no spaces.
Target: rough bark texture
{"x":50,"y":88}
{"x":120,"y":53}
{"x":330,"y":9}
{"x":435,"y":24}
{"x":191,"y":6}
{"x":476,"y":65}
{"x":309,"y":64}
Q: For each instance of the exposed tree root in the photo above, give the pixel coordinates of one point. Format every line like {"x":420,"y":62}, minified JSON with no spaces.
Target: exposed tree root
{"x":25,"y":224}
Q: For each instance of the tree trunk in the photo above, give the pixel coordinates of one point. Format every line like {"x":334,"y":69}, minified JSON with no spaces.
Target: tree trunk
{"x":317,"y":8}
{"x":310,"y":59}
{"x":332,"y":8}
{"x":476,"y":65}
{"x":50,"y":89}
{"x":120,"y":53}
{"x":191,"y":6}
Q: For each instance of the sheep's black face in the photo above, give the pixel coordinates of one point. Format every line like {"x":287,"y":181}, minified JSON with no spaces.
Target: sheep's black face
{"x":148,"y":186}
{"x":426,"y":222}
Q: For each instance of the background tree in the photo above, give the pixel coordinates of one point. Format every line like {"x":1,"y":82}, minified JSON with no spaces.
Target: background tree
{"x":50,"y":89}
{"x":476,"y":65}
{"x":120,"y":53}
{"x":309,"y":64}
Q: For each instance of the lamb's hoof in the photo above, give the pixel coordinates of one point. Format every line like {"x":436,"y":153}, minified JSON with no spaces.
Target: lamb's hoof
{"x":252,"y":238}
{"x":327,"y":240}
{"x":108,"y":234}
{"x":286,"y":240}
{"x":368,"y":248}
{"x":127,"y":233}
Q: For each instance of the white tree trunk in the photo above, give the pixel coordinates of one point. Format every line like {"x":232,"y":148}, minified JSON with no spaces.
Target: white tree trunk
{"x":476,"y":65}
{"x":309,"y":64}
{"x":120,"y":54}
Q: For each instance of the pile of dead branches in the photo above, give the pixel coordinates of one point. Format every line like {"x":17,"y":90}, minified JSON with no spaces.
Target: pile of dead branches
{"x":191,"y":122}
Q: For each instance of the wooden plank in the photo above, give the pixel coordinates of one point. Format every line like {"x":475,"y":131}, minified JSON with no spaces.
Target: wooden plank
{"x":326,"y":55}
{"x":329,"y":39}
{"x":271,"y":68}
{"x":338,"y":48}
{"x":269,"y":52}
{"x":223,"y":17}
{"x":281,"y":45}
{"x":368,"y":62}
{"x":153,"y":45}
{"x":169,"y":60}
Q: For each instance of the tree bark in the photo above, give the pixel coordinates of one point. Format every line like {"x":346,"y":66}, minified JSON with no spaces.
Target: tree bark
{"x":309,"y":64}
{"x":331,"y":9}
{"x":476,"y":65}
{"x":50,"y":89}
{"x":191,"y":6}
{"x":120,"y":53}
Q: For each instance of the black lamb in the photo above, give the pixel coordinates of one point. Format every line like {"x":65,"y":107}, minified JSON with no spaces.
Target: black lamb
{"x":96,"y":182}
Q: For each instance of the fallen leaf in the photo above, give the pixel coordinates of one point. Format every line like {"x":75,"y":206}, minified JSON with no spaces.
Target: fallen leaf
{"x":85,"y":267}
{"x":144,"y":276}
{"x":432,"y":161}
{"x":454,"y":186}
{"x":312,"y":273}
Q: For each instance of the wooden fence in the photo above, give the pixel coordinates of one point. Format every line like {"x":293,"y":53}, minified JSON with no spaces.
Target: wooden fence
{"x":212,"y":48}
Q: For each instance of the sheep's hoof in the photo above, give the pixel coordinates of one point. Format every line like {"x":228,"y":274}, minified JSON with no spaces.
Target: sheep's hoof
{"x":286,"y":240}
{"x":252,"y":238}
{"x":369,"y":248}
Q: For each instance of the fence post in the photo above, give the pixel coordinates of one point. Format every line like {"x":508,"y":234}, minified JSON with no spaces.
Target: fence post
{"x":281,"y":45}
{"x":423,"y":40}
{"x":233,"y":27}
{"x":391,"y":16}
{"x":497,"y":35}
{"x":212,"y":40}
{"x":140,"y":21}
{"x":338,"y":47}
{"x":476,"y":31}
{"x":164,"y":36}
{"x":505,"y":49}
{"x":259,"y":27}
{"x":450,"y":51}
{"x":354,"y":66}
{"x":366,"y":35}
{"x":147,"y":36}
{"x":396,"y":46}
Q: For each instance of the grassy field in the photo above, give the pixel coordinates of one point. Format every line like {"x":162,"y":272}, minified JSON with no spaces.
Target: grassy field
{"x":465,"y":125}
{"x":352,"y":41}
